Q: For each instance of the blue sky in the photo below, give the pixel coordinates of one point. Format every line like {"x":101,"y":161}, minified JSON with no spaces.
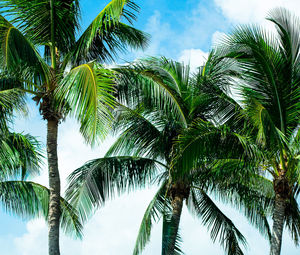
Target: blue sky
{"x":182,"y":30}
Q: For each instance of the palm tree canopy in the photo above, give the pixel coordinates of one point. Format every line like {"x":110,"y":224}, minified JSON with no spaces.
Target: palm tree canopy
{"x":159,"y":101}
{"x":75,"y":81}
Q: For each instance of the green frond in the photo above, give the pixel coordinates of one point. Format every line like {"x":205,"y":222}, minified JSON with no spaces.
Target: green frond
{"x":100,"y":179}
{"x":107,"y":35}
{"x":11,"y":97}
{"x":220,"y":226}
{"x":253,"y":196}
{"x":286,"y":24}
{"x":33,"y":18}
{"x":156,"y":208}
{"x":202,"y":143}
{"x":20,"y":155}
{"x":31,"y":200}
{"x":147,"y":82}
{"x":140,"y":133}
{"x":87,"y":89}
{"x":19,"y":56}
{"x":292,"y":220}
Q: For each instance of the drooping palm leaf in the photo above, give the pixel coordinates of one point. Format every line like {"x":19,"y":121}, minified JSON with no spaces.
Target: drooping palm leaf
{"x":100,"y":179}
{"x":19,"y":56}
{"x":141,"y":135}
{"x":168,"y":232}
{"x":20,"y":155}
{"x":87,"y":89}
{"x":221,"y":227}
{"x":31,"y":200}
{"x":158,"y":206}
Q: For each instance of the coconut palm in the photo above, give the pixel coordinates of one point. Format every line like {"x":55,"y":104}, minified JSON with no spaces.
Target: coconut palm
{"x":271,"y":98}
{"x":163,"y":99}
{"x":68,"y":76}
{"x":20,"y":158}
{"x":269,"y":93}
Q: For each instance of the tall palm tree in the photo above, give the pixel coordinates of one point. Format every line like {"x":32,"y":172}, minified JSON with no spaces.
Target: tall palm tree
{"x":269,"y":91}
{"x":271,"y":95}
{"x":162,"y":99}
{"x":68,"y":77}
{"x":20,"y":158}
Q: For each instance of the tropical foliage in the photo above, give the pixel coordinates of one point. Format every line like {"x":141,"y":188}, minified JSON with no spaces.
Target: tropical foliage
{"x":164,"y":101}
{"x":228,"y":131}
{"x":41,"y":50}
{"x":268,"y":88}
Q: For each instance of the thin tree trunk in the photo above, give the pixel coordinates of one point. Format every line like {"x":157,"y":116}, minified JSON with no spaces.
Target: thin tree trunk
{"x":170,"y":238}
{"x":54,"y":185}
{"x":278,"y":224}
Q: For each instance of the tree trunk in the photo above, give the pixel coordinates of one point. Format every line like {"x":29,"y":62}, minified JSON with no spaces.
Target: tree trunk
{"x":169,"y":239}
{"x":278,"y":224}
{"x":54,"y":185}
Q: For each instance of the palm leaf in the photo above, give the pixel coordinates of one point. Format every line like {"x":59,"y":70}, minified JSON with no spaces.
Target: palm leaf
{"x":292,"y":220}
{"x":140,"y":133}
{"x":156,"y":208}
{"x":168,"y":234}
{"x":34,"y":20}
{"x":87,"y":89}
{"x":20,"y":155}
{"x":219,"y":224}
{"x":31,"y":200}
{"x":106,"y":34}
{"x":19,"y":56}
{"x":96,"y":181}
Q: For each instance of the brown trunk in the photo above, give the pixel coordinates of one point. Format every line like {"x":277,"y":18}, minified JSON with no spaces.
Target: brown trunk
{"x":178,"y":193}
{"x":177,"y":204}
{"x":54,"y":185}
{"x":282,"y":193}
{"x":278,"y":224}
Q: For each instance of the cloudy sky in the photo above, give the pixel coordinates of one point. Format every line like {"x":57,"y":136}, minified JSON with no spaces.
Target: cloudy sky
{"x":183,"y":30}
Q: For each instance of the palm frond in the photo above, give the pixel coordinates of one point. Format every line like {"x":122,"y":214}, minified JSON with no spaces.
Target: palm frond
{"x":19,"y":56}
{"x":140,"y":133}
{"x":31,"y":200}
{"x":106,"y":35}
{"x":254,"y":198}
{"x":152,"y":83}
{"x":87,"y":89}
{"x":33,"y":18}
{"x":168,"y":235}
{"x":96,"y":181}
{"x":20,"y":155}
{"x":11,"y":96}
{"x":219,"y":224}
{"x":292,"y":220}
{"x":202,"y":143}
{"x":156,"y":208}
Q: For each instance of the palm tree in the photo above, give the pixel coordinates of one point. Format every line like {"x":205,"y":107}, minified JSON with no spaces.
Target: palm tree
{"x":68,"y":77}
{"x":20,"y":158}
{"x":269,"y":85}
{"x":162,"y":100}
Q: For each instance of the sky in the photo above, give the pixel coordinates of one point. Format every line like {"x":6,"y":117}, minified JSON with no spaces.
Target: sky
{"x":183,"y":30}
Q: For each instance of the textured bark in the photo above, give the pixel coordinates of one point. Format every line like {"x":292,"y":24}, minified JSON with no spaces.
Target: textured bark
{"x":171,"y":226}
{"x":278,"y":224}
{"x":177,"y":204}
{"x":54,"y":185}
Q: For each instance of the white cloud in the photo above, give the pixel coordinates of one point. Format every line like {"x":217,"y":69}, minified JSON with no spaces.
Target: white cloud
{"x":238,"y":11}
{"x":217,"y":37}
{"x":194,"y":57}
{"x":160,"y":32}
